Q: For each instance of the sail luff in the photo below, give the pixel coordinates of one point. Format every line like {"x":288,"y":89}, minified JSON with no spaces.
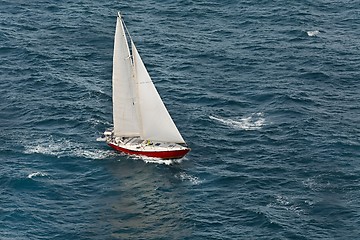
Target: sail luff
{"x":156,"y":122}
{"x":124,"y":111}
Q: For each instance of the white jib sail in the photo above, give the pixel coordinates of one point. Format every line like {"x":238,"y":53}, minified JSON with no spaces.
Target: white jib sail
{"x":124,"y":110}
{"x":156,"y":123}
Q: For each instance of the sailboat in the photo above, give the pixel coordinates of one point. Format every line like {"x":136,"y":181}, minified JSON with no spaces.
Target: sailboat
{"x":142,"y":124}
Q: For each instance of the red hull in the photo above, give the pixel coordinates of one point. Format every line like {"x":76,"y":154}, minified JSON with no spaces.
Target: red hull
{"x":160,"y":154}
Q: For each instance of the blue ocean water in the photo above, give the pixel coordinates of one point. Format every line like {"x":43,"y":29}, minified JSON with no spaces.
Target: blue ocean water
{"x":266,"y":93}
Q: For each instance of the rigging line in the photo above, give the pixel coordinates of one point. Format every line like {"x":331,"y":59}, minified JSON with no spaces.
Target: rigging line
{"x":128,"y":39}
{"x":127,"y":31}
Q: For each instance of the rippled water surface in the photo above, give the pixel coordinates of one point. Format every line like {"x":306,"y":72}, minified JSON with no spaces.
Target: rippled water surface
{"x":266,"y":93}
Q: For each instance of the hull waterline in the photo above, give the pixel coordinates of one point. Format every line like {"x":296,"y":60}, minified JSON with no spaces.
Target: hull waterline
{"x":169,"y":154}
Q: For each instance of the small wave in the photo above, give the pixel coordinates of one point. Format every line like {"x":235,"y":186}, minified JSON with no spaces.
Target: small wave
{"x":37,"y":174}
{"x":283,"y":202}
{"x":97,"y":122}
{"x":101,"y":139}
{"x":186,"y":177}
{"x":253,"y":122}
{"x":317,"y":184}
{"x":313,"y":33}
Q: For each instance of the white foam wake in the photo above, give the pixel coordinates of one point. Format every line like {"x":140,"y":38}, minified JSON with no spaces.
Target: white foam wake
{"x":64,"y":147}
{"x":157,"y":160}
{"x":253,"y":122}
{"x":187,"y":177}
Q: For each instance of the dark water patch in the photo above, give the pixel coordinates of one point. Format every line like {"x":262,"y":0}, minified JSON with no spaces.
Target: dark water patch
{"x":315,"y":76}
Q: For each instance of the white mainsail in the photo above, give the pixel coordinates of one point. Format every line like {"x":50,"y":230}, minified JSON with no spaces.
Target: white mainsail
{"x":137,"y":107}
{"x":124,"y":110}
{"x":156,"y":123}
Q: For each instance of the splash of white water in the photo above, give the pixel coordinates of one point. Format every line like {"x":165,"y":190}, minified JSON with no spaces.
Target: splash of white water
{"x":313,"y":33}
{"x":253,"y":122}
